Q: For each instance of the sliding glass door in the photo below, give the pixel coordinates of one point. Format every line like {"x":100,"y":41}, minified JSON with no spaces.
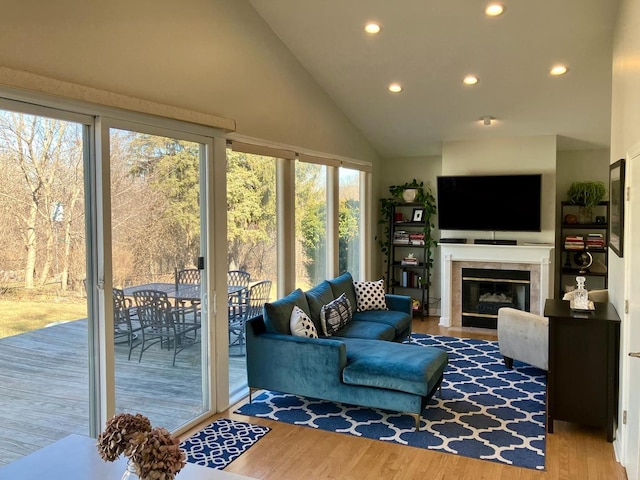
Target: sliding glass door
{"x":44,"y":326}
{"x":160,"y":332}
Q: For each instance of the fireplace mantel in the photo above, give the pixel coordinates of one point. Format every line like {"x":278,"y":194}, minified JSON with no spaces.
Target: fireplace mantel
{"x":539,"y":257}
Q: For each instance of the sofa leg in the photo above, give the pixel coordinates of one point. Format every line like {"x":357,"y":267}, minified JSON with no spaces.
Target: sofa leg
{"x":251,"y":390}
{"x":416,"y":416}
{"x":508,"y":362}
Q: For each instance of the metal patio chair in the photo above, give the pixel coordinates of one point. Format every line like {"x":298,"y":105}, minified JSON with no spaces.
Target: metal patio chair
{"x":251,"y":304}
{"x":164,"y":324}
{"x":125,"y":322}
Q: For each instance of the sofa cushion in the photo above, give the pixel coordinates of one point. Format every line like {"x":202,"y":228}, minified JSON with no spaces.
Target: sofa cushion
{"x":370,"y":295}
{"x":370,"y":330}
{"x":396,"y":366}
{"x":301,"y":325}
{"x":335,"y":315}
{"x":318,"y":297}
{"x":344,"y":284}
{"x":400,"y":321}
{"x":277,"y":315}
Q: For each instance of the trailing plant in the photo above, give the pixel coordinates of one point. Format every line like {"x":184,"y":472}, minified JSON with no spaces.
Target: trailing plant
{"x":396,"y":190}
{"x":588,"y":194}
{"x":424,"y":199}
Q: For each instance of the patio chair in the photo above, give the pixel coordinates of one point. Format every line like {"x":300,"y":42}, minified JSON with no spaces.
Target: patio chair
{"x":251,"y":304}
{"x":188,"y":276}
{"x":237,"y":285}
{"x":124,"y":325}
{"x":162,"y":323}
{"x":238,"y":277}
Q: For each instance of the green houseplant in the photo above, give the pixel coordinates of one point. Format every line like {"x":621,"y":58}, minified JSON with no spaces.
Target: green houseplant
{"x":586,"y":195}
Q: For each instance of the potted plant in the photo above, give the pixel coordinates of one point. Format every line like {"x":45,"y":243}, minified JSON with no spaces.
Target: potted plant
{"x":409,"y":192}
{"x":586,"y":195}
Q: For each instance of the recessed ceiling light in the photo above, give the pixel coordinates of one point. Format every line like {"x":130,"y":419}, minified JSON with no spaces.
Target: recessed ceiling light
{"x":395,"y":88}
{"x":372,"y":28}
{"x":494,"y":9}
{"x":558,"y":70}
{"x":470,"y":80}
{"x":486,"y":121}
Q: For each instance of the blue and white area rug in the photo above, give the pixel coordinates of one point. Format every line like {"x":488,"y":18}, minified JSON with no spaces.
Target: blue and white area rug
{"x":486,"y":411}
{"x":221,"y":442}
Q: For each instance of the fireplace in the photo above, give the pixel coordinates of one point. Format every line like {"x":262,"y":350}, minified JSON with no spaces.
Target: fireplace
{"x":485,"y":291}
{"x":535,"y":259}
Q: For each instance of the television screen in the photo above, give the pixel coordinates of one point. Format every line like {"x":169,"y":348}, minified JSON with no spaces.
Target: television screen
{"x":507,"y":203}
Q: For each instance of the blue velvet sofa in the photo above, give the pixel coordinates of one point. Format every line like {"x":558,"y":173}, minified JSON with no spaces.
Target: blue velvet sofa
{"x":364,"y":363}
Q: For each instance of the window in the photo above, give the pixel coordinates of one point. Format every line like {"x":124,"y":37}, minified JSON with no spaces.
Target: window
{"x":310,"y":224}
{"x":349,"y":226}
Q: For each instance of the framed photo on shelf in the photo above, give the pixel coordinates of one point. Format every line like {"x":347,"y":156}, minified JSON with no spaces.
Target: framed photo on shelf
{"x":418,"y":215}
{"x":616,"y":198}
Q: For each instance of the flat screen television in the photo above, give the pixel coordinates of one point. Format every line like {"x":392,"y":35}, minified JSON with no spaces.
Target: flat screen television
{"x":502,"y":203}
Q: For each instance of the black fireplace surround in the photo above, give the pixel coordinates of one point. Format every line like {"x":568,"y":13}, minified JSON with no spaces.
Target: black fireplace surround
{"x":485,"y":291}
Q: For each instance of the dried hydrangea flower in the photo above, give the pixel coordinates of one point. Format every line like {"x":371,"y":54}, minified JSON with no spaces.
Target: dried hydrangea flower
{"x":118,"y":432}
{"x":156,"y":455}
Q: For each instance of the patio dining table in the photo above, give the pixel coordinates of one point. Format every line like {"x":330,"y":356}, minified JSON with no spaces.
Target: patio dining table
{"x":180,"y":292}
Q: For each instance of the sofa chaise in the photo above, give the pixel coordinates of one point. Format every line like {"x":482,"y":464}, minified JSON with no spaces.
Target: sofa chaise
{"x":364,"y":362}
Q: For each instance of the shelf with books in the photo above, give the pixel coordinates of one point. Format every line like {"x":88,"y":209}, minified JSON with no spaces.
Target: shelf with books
{"x":582,"y":247}
{"x":408,"y":257}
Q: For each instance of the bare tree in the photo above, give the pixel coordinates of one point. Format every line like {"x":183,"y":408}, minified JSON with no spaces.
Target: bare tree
{"x":42,"y":193}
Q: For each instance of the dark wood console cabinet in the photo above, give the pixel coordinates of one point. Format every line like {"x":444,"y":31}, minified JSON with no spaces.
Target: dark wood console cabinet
{"x":583,"y":365}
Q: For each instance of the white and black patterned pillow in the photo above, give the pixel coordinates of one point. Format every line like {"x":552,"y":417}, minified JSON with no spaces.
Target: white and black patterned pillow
{"x":335,"y":315}
{"x":370,"y":295}
{"x":301,"y":325}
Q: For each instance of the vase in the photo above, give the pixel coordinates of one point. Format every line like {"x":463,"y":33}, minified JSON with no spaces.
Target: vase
{"x":585,"y":215}
{"x":409,"y":195}
{"x":130,"y":472}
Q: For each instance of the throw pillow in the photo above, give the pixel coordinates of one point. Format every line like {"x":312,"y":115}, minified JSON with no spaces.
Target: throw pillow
{"x":370,"y":295}
{"x":335,"y":315}
{"x":301,"y":324}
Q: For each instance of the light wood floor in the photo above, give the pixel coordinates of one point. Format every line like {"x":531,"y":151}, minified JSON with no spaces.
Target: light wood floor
{"x":295,"y":452}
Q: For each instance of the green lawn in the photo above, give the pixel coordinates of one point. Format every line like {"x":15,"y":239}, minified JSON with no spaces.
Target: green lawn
{"x":18,"y":316}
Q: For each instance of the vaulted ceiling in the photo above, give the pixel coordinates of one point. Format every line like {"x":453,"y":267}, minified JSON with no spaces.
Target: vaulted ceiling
{"x":429,"y":46}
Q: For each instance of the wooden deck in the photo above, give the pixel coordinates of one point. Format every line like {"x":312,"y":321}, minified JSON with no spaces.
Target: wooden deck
{"x":44,"y":386}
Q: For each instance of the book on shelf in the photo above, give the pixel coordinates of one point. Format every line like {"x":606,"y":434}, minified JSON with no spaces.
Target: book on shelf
{"x":410,"y":280}
{"x":574,"y":242}
{"x":416,"y":238}
{"x":401,"y":238}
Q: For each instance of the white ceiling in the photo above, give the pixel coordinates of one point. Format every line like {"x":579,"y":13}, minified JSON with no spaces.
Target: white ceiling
{"x":430,"y":45}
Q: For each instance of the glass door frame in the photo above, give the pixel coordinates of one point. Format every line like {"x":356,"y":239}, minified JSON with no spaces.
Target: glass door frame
{"x":93,"y":312}
{"x":104,"y":278}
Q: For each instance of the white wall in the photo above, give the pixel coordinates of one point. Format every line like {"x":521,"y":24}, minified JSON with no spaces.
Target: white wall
{"x":506,"y":156}
{"x":211,"y":56}
{"x":580,"y":166}
{"x":625,"y":133}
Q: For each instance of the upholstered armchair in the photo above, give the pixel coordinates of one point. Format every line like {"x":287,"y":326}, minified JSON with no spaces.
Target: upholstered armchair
{"x":523,"y":336}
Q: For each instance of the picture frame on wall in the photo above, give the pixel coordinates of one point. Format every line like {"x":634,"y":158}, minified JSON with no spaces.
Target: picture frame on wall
{"x":616,"y":213}
{"x":418,"y":215}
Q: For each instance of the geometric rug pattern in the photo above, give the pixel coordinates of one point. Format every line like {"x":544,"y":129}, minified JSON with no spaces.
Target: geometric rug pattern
{"x":486,"y":410}
{"x":221,"y":442}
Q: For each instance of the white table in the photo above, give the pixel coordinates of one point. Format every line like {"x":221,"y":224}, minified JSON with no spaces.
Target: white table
{"x":76,"y":458}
